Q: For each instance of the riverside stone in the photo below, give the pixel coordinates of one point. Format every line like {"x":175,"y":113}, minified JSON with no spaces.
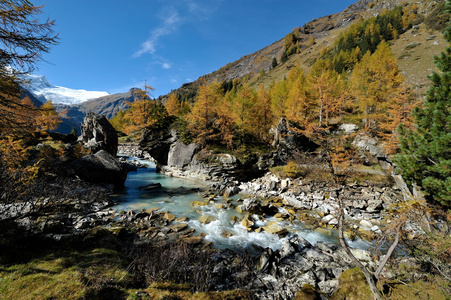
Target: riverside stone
{"x":198,"y":204}
{"x":100,"y":167}
{"x":206,"y":219}
{"x":366,"y":224}
{"x":97,"y":134}
{"x":275,"y":228}
{"x":168,"y":216}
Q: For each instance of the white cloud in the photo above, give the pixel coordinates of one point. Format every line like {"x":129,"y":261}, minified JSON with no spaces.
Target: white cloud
{"x":202,"y":9}
{"x":170,"y":24}
{"x":166,"y":65}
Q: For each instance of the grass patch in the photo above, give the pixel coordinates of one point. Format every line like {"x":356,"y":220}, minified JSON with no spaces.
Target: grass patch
{"x":65,"y":276}
{"x":438,"y":18}
{"x":171,"y":292}
{"x":291,"y":170}
{"x":433,"y":288}
{"x":54,"y":144}
{"x":370,"y":179}
{"x":353,"y":286}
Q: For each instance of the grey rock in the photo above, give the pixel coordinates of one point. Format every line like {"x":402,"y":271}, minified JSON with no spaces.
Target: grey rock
{"x":374,"y":205}
{"x":98,"y":134}
{"x":100,"y":167}
{"x":359,"y":203}
{"x":252,"y":205}
{"x":287,"y":249}
{"x":328,"y":286}
{"x":181,"y":155}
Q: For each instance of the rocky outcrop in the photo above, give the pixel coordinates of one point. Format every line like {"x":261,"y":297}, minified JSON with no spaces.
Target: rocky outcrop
{"x":175,"y":158}
{"x":100,"y":167}
{"x":98,"y":134}
{"x":157,"y":143}
{"x":284,"y":272}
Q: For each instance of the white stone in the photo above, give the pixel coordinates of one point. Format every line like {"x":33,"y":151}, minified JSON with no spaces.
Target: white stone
{"x":327,"y":219}
{"x":361,"y":255}
{"x":366,"y":224}
{"x":349,"y":128}
{"x":285,"y":183}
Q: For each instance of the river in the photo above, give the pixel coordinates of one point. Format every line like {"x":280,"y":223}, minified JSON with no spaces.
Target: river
{"x":176,"y":196}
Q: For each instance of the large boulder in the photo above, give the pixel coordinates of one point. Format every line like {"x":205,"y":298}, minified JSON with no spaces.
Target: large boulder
{"x":180,"y":154}
{"x":100,"y":167}
{"x":157,"y":143}
{"x":98,"y":134}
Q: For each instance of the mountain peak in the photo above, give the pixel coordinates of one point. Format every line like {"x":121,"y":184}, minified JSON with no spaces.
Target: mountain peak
{"x":44,"y":90}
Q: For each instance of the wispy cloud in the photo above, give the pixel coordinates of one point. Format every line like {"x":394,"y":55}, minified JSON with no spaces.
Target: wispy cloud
{"x":171,"y":22}
{"x":202,"y":9}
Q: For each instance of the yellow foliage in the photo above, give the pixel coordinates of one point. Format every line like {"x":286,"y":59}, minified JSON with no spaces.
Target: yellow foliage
{"x":172,"y":105}
{"x":374,"y":82}
{"x":14,"y":155}
{"x":292,"y":170}
{"x":47,"y":119}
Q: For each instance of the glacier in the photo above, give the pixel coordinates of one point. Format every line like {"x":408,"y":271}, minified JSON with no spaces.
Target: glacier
{"x":44,"y":90}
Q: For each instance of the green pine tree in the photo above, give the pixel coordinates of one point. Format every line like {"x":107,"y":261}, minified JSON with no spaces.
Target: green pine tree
{"x":425,"y":157}
{"x":274,"y":63}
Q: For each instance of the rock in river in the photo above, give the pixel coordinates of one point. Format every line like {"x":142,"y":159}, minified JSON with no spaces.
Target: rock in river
{"x":101,"y":167}
{"x":151,"y":186}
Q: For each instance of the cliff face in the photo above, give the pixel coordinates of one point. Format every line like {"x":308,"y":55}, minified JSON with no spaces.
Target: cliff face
{"x":175,"y":158}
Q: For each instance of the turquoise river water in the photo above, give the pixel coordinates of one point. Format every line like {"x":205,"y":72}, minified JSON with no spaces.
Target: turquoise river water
{"x":176,"y":196}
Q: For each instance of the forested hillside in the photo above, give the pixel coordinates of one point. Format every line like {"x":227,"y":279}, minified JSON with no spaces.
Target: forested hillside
{"x":413,"y":46}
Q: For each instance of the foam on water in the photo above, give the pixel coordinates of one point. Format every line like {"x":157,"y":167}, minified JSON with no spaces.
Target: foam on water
{"x":176,"y":196}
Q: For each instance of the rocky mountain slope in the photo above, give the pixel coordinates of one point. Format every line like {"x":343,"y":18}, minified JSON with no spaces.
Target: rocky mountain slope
{"x":414,"y":48}
{"x":107,"y":105}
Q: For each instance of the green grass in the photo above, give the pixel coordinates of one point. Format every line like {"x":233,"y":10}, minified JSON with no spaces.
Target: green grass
{"x":64,"y":276}
{"x":94,"y":274}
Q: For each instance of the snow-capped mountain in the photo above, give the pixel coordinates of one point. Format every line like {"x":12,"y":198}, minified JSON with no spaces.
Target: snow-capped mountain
{"x":44,"y":90}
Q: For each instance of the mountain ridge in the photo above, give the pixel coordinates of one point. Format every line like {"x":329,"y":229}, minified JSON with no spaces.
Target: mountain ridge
{"x":324,"y":30}
{"x":108,"y":106}
{"x":44,"y":90}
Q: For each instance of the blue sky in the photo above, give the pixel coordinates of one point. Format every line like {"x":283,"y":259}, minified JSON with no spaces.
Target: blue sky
{"x":113,"y":45}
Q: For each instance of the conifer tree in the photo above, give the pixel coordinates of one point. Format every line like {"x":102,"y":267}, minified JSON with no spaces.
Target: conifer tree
{"x":299,"y":104}
{"x":279,"y":94}
{"x":225,"y":122}
{"x":244,"y":110}
{"x":172,"y":105}
{"x":23,"y":40}
{"x":47,"y":119}
{"x":274,"y":63}
{"x":374,"y":81}
{"x":143,"y":112}
{"x":327,"y":88}
{"x":203,"y":114}
{"x":425,"y":157}
{"x":263,"y":115}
